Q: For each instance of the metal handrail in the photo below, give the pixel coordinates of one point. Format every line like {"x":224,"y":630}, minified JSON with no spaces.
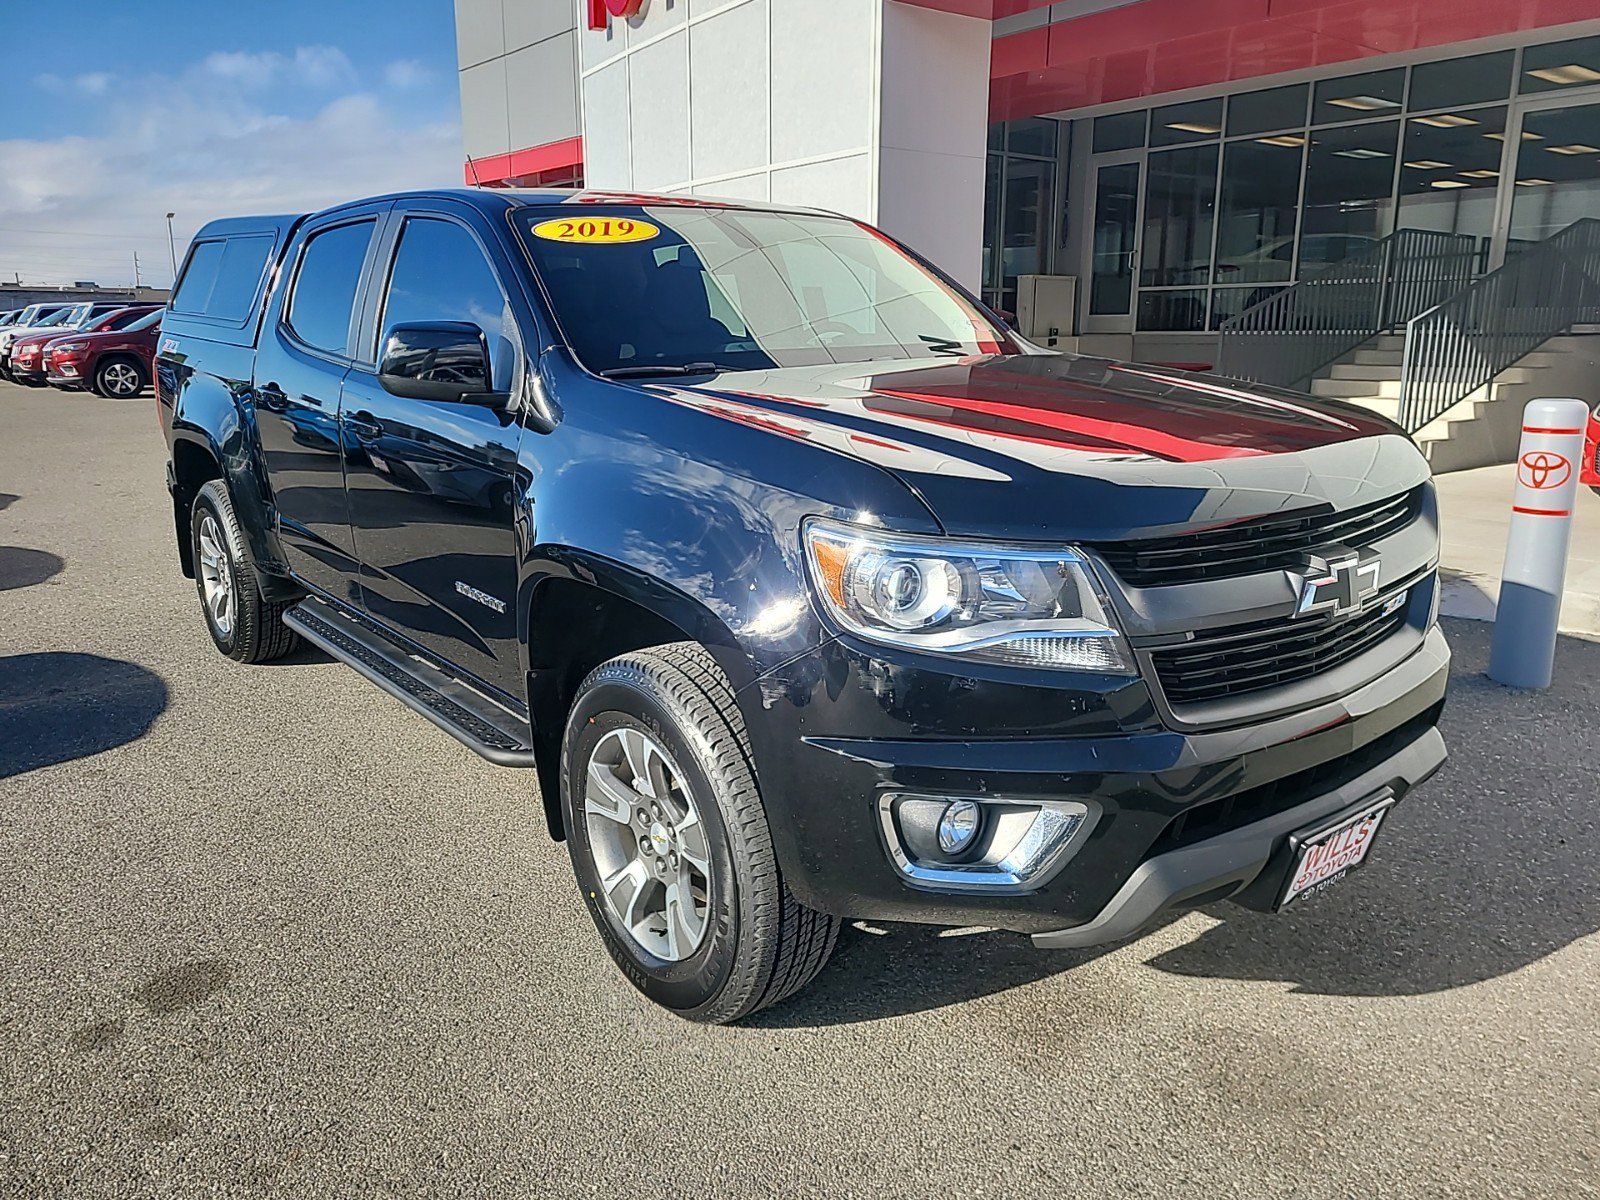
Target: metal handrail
{"x":1460,"y":345}
{"x":1286,"y":338}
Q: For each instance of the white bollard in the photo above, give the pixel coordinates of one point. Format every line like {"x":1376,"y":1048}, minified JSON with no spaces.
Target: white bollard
{"x":1523,"y":650}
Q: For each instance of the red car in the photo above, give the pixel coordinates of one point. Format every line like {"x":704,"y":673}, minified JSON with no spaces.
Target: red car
{"x":114,"y":362}
{"x":26,"y":359}
{"x":1590,"y":472}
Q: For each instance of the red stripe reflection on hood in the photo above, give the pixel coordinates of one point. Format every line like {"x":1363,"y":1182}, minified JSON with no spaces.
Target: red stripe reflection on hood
{"x":1114,"y":435}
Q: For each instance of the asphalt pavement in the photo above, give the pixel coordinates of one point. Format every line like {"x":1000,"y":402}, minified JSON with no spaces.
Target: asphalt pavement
{"x":264,"y":932}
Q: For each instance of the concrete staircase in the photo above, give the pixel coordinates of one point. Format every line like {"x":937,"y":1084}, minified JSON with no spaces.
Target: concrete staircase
{"x":1482,"y":429}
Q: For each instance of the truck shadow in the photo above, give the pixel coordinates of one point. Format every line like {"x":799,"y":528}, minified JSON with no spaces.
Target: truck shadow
{"x":21,"y":567}
{"x":60,"y":706}
{"x":1487,"y":869}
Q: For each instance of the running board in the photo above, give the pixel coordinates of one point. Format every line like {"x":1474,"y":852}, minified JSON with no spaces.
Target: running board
{"x":459,"y":709}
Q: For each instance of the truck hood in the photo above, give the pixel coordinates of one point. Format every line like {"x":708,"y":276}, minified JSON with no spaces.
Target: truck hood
{"x":1046,"y":447}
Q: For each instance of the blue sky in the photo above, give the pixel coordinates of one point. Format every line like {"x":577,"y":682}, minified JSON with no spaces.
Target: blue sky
{"x":123,"y":110}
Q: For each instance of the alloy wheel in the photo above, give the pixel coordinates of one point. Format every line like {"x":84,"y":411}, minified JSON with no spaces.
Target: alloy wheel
{"x":649,"y":845}
{"x":120,"y":379}
{"x":216,"y":576}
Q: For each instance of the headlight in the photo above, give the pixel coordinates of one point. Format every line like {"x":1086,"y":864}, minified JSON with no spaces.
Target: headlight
{"x":63,"y":347}
{"x":1015,"y":604}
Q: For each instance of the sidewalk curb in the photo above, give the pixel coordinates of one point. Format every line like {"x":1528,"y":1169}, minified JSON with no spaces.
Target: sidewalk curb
{"x":1473,"y":596}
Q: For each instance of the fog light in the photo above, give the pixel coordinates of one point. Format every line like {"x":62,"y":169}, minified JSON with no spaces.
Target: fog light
{"x":982,"y":843}
{"x":958,"y":826}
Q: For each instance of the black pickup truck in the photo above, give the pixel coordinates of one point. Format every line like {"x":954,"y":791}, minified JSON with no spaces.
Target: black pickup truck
{"x":807,"y":589}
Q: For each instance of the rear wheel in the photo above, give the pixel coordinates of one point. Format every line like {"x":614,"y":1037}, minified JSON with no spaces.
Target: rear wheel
{"x":119,"y":378}
{"x":670,"y":843}
{"x":243,"y":625}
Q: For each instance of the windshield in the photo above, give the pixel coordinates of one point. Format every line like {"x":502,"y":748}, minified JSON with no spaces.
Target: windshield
{"x":144,"y":322}
{"x":63,"y":316}
{"x":637,"y":289}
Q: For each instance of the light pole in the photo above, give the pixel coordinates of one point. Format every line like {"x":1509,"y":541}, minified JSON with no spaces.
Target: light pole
{"x":172,"y":247}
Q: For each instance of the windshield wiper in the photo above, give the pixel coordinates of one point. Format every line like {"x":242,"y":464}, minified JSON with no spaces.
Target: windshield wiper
{"x":699,"y":368}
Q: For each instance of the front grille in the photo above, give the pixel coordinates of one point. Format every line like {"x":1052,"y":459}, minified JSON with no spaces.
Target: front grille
{"x":1249,"y":547}
{"x":1215,"y":817}
{"x":1240,"y":659}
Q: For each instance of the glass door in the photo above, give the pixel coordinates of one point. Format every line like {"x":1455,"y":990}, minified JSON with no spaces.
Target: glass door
{"x":1554,"y":159}
{"x":1113,"y":251}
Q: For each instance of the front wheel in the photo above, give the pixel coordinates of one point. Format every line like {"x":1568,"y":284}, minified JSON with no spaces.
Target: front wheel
{"x":119,"y":379}
{"x":670,"y":843}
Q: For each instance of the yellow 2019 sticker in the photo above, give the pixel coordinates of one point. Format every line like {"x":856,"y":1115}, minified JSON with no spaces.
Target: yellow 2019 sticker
{"x":596,"y":230}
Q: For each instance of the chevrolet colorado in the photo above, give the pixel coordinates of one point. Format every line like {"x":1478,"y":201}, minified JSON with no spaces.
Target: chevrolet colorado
{"x":807,"y":589}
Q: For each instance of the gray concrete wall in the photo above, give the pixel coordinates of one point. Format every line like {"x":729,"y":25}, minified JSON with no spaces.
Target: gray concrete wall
{"x":866,"y":107}
{"x":518,"y":63}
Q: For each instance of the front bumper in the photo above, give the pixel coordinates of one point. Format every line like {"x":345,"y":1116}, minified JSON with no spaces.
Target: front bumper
{"x":1245,"y":864}
{"x":1184,"y":817}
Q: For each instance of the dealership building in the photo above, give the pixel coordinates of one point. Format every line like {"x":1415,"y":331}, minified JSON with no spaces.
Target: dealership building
{"x":1391,"y":201}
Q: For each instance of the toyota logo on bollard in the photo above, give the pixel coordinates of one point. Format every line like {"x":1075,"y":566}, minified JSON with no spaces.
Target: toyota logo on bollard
{"x":1543,"y":469}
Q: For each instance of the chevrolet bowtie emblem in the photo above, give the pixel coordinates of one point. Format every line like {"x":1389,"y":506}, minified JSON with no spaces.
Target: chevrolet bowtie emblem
{"x":1337,"y":582}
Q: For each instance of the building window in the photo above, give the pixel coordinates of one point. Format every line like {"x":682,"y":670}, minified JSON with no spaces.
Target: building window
{"x":1020,"y":206}
{"x":1259,"y":210}
{"x":1450,"y":171}
{"x":1180,"y":196}
{"x":1198,"y":121}
{"x":1202,"y":209}
{"x":1557,"y":172}
{"x":1356,"y":97}
{"x":1480,"y":79}
{"x":1560,"y":67}
{"x":1119,"y":131}
{"x":1268,"y":111}
{"x":1348,"y":201}
{"x":1173,"y":311}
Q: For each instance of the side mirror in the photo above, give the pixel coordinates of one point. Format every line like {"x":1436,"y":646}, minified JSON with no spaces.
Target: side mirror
{"x":438,"y":360}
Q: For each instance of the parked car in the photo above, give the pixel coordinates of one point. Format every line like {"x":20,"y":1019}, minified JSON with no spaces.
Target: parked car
{"x":69,"y":319}
{"x":28,"y":320}
{"x":807,"y":590}
{"x":29,"y":364}
{"x":1590,"y":472}
{"x":10,"y":317}
{"x":113,"y":359}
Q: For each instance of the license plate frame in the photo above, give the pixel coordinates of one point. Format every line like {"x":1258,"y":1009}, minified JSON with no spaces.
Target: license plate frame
{"x":1349,"y":848}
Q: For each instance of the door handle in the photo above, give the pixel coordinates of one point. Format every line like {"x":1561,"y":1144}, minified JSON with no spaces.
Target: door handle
{"x":364,"y":425}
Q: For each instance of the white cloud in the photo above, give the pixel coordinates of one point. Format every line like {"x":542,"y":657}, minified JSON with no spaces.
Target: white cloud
{"x":323,"y":66}
{"x":206,"y":143}
{"x":311,"y":66}
{"x":406,"y":73}
{"x":92,"y":83}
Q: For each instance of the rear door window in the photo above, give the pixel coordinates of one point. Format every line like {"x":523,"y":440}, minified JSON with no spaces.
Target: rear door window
{"x":222,"y":275}
{"x":325,"y":286}
{"x":120,"y":320}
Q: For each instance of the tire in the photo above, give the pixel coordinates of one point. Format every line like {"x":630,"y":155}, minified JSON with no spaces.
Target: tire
{"x":759,"y":944}
{"x":119,"y":378}
{"x":246,"y":628}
